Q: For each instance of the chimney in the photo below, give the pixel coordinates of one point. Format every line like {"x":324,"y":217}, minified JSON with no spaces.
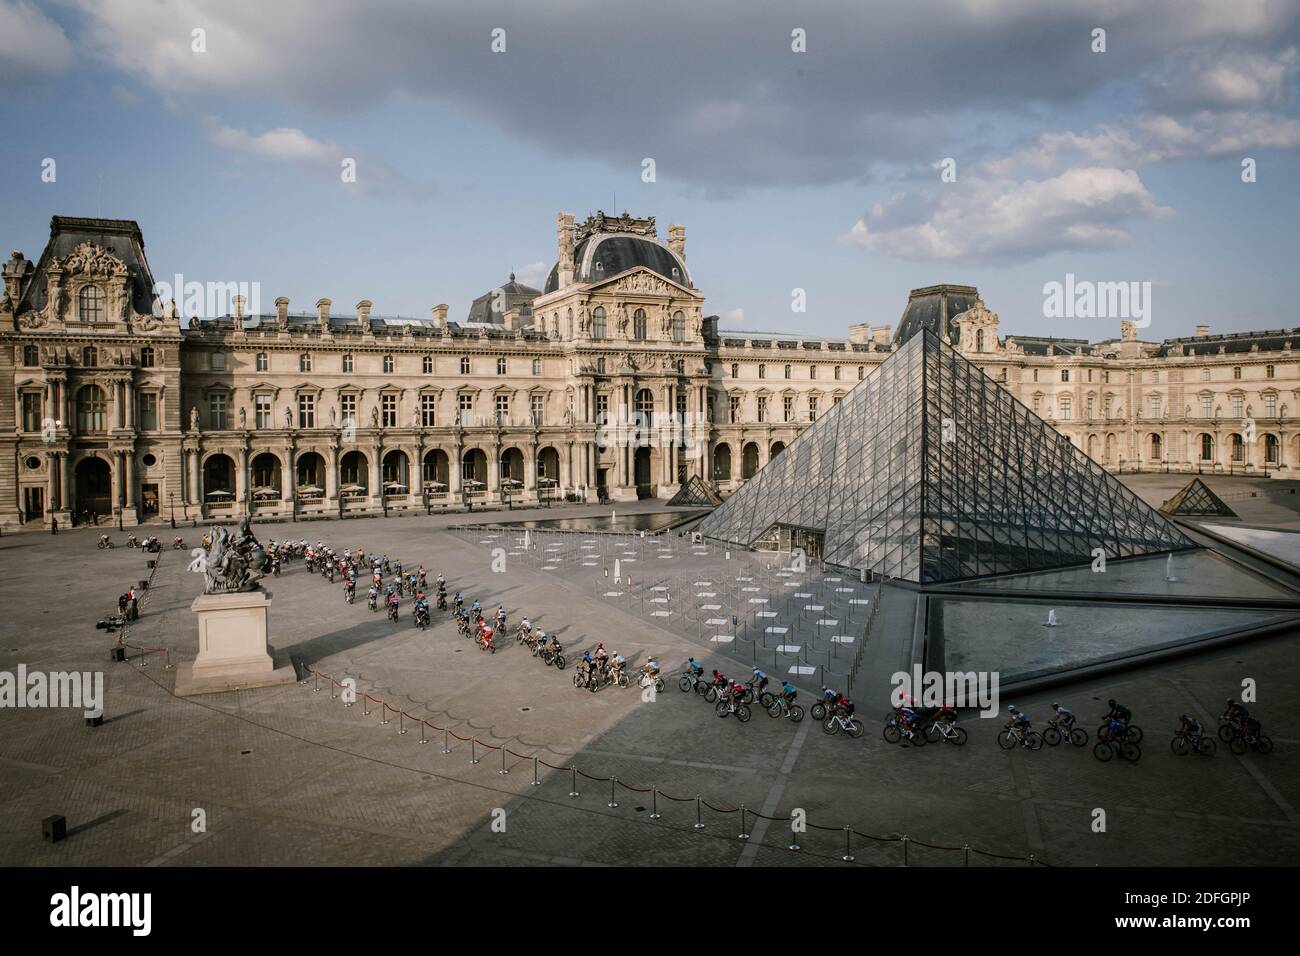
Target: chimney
{"x":860,"y":334}
{"x":239,"y":308}
{"x":440,"y":316}
{"x":282,"y":310}
{"x":1202,"y":331}
{"x":880,"y":335}
{"x":512,"y":319}
{"x":564,"y":248}
{"x":363,"y":313}
{"x":323,"y":312}
{"x":677,"y":240}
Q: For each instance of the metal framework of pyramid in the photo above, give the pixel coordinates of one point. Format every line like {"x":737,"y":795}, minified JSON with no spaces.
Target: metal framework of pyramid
{"x":928,"y":471}
{"x":1198,"y":499}
{"x":696,"y":493}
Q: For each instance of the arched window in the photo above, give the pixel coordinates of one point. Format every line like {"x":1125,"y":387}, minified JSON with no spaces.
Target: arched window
{"x":1207,"y":447}
{"x":679,"y":326}
{"x":1238,"y":448}
{"x":598,"y":323}
{"x":91,"y":408}
{"x":639,"y":325}
{"x":1157,"y":447}
{"x":1270,"y":449}
{"x":645,"y":408}
{"x":90,"y":356}
{"x":90,"y":304}
{"x":568,"y":323}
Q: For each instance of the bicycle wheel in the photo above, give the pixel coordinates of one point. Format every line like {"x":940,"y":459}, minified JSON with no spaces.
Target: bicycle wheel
{"x":1237,"y":745}
{"x":932,"y":733}
{"x":721,"y":709}
{"x":659,"y":684}
{"x":1034,"y":740}
{"x":1263,"y":744}
{"x":856,"y":728}
{"x":818,"y":711}
{"x":892,"y":734}
{"x":831,"y":725}
{"x":1206,"y":746}
{"x":765,"y":699}
{"x":711,"y":694}
{"x":1051,"y":736}
{"x":559,"y":662}
{"x":1225,"y":732}
{"x":1103,"y":751}
{"x":1078,"y":736}
{"x":684,"y":685}
{"x":743,"y":713}
{"x":796,"y":713}
{"x":1180,"y":746}
{"x":1130,"y":751}
{"x":1134,"y":734}
{"x":1006,"y":740}
{"x":774,"y":709}
{"x":958,"y":737}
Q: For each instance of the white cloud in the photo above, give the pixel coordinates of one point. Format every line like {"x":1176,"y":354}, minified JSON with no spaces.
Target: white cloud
{"x":992,"y":220}
{"x":733,"y":317}
{"x":533,"y":274}
{"x":31,"y":44}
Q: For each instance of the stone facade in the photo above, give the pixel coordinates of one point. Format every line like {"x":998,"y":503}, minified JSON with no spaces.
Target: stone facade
{"x":611,"y":380}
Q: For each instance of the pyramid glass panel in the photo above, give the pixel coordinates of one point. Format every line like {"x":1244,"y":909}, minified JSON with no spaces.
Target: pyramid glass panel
{"x":929,"y":471}
{"x":1197,"y":499}
{"x":696,"y":492}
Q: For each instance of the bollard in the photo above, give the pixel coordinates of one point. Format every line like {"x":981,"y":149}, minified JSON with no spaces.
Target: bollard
{"x":401,"y":721}
{"x":965,"y":854}
{"x":536,"y":782}
{"x":365,"y":705}
{"x":794,"y":839}
{"x":654,"y":803}
{"x":905,"y":842}
{"x":424,"y":737}
{"x":445,"y":749}
{"x":744,"y":833}
{"x":168,"y":665}
{"x":316,"y":689}
{"x":473,"y":755}
{"x":573,"y":789}
{"x":383,"y":712}
{"x":333,"y":696}
{"x":503,"y":771}
{"x":848,"y":845}
{"x":699,"y":823}
{"x":612,"y":802}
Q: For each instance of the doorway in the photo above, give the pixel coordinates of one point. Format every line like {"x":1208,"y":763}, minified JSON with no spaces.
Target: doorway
{"x":34,"y":503}
{"x":94,"y":488}
{"x":642,"y":471}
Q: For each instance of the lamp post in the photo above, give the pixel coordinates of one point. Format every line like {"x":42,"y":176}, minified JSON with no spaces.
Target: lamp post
{"x":171,"y":501}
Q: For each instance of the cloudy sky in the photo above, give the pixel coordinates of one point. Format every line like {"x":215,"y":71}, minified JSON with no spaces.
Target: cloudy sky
{"x":821,"y":169}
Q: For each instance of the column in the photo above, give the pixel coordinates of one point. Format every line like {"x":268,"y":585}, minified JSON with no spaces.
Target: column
{"x":376,"y":472}
{"x":63,"y":402}
{"x":52,"y":465}
{"x":494,"y":471}
{"x":241,"y":480}
{"x":196,"y":498}
{"x":128,"y":459}
{"x":65,"y":489}
{"x":530,"y":470}
{"x":453,"y":471}
{"x":331,"y":476}
{"x":117,"y":479}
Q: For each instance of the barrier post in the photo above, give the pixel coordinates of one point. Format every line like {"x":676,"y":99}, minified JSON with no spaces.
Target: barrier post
{"x":473,"y":755}
{"x":848,"y":845}
{"x":794,"y":839}
{"x":333,"y":687}
{"x":365,"y":705}
{"x":613,"y":781}
{"x":424,"y":736}
{"x":965,"y":854}
{"x":699,"y":824}
{"x":906,"y":841}
{"x":445,"y":748}
{"x":744,"y":834}
{"x":654,"y":803}
{"x":401,"y":721}
{"x":536,"y":781}
{"x":503,"y":771}
{"x":316,"y":689}
{"x":573,"y":788}
{"x":383,"y":712}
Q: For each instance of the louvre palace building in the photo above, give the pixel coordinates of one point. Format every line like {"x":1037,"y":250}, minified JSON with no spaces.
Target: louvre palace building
{"x":610,"y":381}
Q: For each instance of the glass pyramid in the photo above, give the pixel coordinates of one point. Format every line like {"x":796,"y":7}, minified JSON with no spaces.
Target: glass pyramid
{"x":1197,"y":499}
{"x":696,"y":492}
{"x":929,"y":472}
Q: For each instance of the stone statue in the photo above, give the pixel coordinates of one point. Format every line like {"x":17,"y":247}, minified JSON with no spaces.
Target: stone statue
{"x":622,"y":319}
{"x":234,"y":561}
{"x":334,"y":415}
{"x":568,"y":412}
{"x":374,"y":417}
{"x":243,"y":417}
{"x":194,"y":418}
{"x":415,"y":417}
{"x":288,"y":417}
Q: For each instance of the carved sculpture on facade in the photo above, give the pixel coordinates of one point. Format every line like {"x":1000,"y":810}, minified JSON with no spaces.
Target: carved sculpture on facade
{"x":194,"y":418}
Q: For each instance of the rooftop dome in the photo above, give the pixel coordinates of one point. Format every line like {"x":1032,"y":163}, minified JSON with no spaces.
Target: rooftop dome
{"x":608,"y":253}
{"x":933,"y":308}
{"x":509,"y":295}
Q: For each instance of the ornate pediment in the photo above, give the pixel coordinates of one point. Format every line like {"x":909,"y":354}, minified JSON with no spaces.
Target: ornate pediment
{"x":624,"y":224}
{"x":642,"y":282}
{"x":91,"y":259}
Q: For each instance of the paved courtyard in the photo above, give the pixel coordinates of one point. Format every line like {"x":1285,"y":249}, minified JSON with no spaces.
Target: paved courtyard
{"x":290,"y":775}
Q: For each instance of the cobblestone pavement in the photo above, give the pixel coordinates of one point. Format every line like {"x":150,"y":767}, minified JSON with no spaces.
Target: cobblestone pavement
{"x":289,"y":775}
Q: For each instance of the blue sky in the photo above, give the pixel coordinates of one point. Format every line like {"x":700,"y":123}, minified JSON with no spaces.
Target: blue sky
{"x":813,"y":170}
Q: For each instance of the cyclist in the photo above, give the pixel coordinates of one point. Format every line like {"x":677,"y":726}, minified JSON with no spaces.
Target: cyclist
{"x":501,"y":617}
{"x":372,"y":597}
{"x":1190,"y":727}
{"x":719,"y":681}
{"x":650,"y":668}
{"x":759,"y":682}
{"x":1065,"y":718}
{"x":458,"y":601}
{"x":392,"y":603}
{"x":1236,"y":713}
{"x":616,"y":667}
{"x":1119,"y":713}
{"x":694,"y":667}
{"x":526,"y":629}
{"x":349,"y":590}
{"x":788,"y":693}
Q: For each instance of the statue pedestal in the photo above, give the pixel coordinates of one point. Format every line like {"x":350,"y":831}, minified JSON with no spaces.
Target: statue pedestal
{"x":233,"y":652}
